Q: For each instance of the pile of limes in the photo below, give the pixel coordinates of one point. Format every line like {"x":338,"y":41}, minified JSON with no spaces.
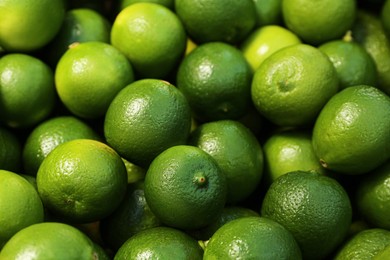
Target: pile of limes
{"x":193,"y":129}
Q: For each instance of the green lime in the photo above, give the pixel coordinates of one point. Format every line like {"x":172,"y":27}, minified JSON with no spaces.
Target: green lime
{"x":49,"y":240}
{"x":27,"y":91}
{"x":268,"y":12}
{"x":264,"y":41}
{"x":353,"y":64}
{"x":252,"y":238}
{"x":48,"y":135}
{"x":132,"y":216}
{"x":351,"y":134}
{"x":315,"y":208}
{"x":28,"y":25}
{"x":153,"y":47}
{"x":237,"y":152}
{"x":79,"y":25}
{"x":365,"y":245}
{"x":160,"y":243}
{"x":82,"y":180}
{"x":292,"y":85}
{"x":215,"y":78}
{"x":185,"y":188}
{"x":227,"y":21}
{"x":88,"y":77}
{"x":20,"y":203}
{"x":317,"y":22}
{"x":145,"y":118}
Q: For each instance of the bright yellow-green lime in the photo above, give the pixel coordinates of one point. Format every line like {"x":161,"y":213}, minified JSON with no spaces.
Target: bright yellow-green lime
{"x":160,"y":243}
{"x":315,"y":208}
{"x":151,"y":36}
{"x":289,"y":150}
{"x":185,"y":188}
{"x":316,"y":22}
{"x":264,"y":41}
{"x":365,"y":245}
{"x":27,"y":90}
{"x":237,"y":152}
{"x":145,"y":118}
{"x":82,"y":180}
{"x":88,"y":77}
{"x":49,"y":240}
{"x":27,"y":25}
{"x":292,"y":85}
{"x":351,"y":134}
{"x":20,"y":207}
{"x":252,"y":238}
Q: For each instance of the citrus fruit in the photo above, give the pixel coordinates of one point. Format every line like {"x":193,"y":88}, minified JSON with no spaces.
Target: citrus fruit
{"x":153,"y":47}
{"x":49,"y":240}
{"x":145,"y":118}
{"x":229,"y":213}
{"x":89,"y":75}
{"x":369,"y":32}
{"x":227,"y":21}
{"x":373,"y":196}
{"x":167,"y":3}
{"x":289,"y":150}
{"x":353,"y":64}
{"x":27,"y":90}
{"x":252,"y":238}
{"x":10,"y":150}
{"x":185,"y":188}
{"x":385,"y":17}
{"x":20,"y":207}
{"x":351,"y":134}
{"x":41,"y":22}
{"x":82,"y":180}
{"x":383,"y":254}
{"x":365,"y":245}
{"x":314,"y":208}
{"x":79,"y":25}
{"x":237,"y":152}
{"x":132,"y":216}
{"x":135,"y":173}
{"x":215,"y":78}
{"x":50,"y":133}
{"x":316,"y":22}
{"x":160,"y":243}
{"x":292,"y":85}
{"x":268,"y":12}
{"x":264,"y":41}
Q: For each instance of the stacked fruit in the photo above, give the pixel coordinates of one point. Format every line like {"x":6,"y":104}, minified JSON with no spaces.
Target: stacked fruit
{"x":190,"y":129}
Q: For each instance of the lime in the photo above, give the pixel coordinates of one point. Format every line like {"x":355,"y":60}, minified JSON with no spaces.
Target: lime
{"x":185,"y":188}
{"x":314,"y":208}
{"x":20,"y":203}
{"x":160,"y":243}
{"x":237,"y":152}
{"x":351,"y":134}
{"x":215,"y":78}
{"x":88,"y":77}
{"x":145,"y":118}
{"x":292,"y":85}
{"x":252,"y":238}
{"x":82,"y":180}
{"x":153,"y":47}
